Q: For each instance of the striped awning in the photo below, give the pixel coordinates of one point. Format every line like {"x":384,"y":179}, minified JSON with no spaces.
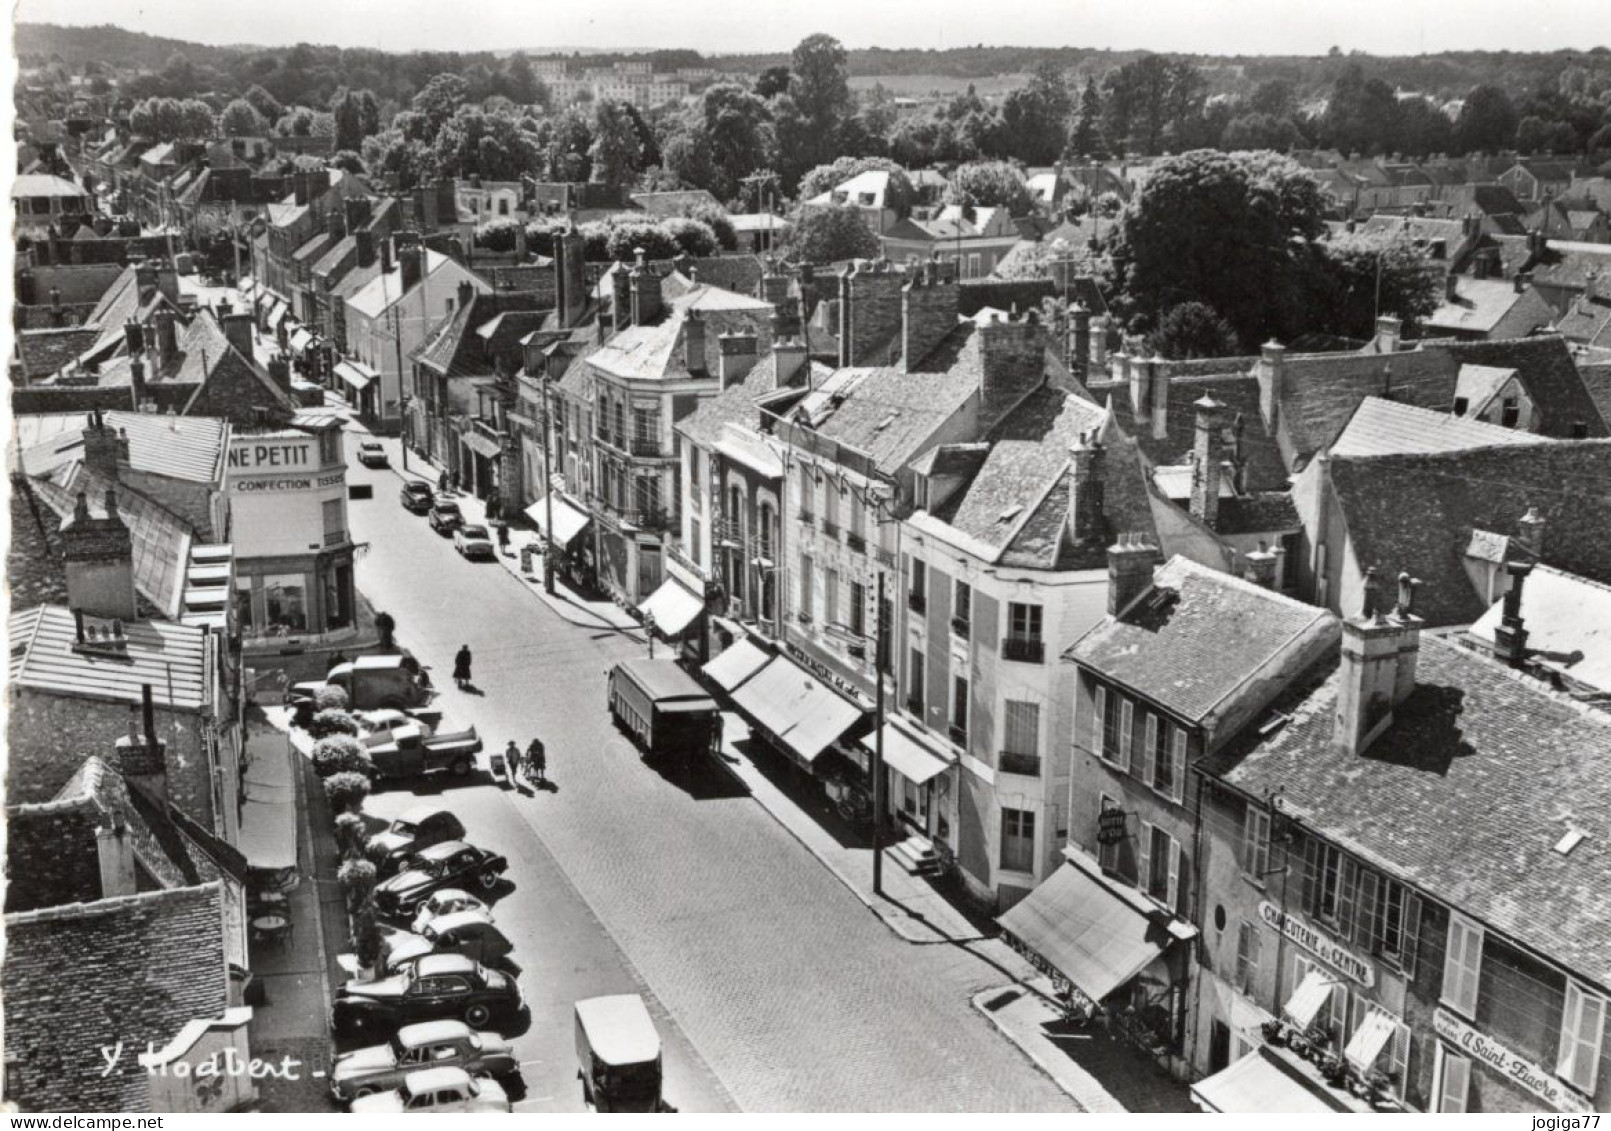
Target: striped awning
{"x":1370,"y":1039}
{"x":1309,"y":998}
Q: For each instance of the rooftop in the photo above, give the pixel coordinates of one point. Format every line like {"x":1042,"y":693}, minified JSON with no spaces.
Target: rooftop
{"x":1568,"y":620}
{"x":1383,"y":427}
{"x":170,"y":658}
{"x":192,"y":448}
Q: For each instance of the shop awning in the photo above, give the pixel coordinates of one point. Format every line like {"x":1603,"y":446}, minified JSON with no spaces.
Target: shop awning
{"x":799,"y":709}
{"x":354,"y":375}
{"x":1092,"y":937}
{"x":269,"y":815}
{"x":1306,"y":1001}
{"x":568,"y":521}
{"x":300,"y":339}
{"x":480,"y":445}
{"x":742,"y":660}
{"x":673,"y":608}
{"x":1262,"y":1083}
{"x":1370,"y":1039}
{"x":909,"y":756}
{"x":276,"y":314}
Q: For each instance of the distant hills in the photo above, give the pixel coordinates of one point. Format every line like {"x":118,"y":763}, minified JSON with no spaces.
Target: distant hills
{"x":106,"y":43}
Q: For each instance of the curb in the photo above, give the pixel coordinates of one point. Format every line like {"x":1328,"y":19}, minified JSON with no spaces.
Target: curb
{"x":1039,"y":1059}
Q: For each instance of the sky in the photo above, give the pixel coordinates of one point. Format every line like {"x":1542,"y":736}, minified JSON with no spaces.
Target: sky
{"x":1251,"y":27}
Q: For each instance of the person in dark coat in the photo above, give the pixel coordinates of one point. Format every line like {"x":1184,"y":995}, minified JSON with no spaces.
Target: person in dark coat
{"x":461,"y":667}
{"x":537,"y":761}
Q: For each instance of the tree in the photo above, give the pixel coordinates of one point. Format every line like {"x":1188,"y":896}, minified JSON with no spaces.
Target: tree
{"x":899,"y":195}
{"x":497,"y":235}
{"x":297,"y":123}
{"x":349,"y":124}
{"x":264,"y":103}
{"x":687,"y":157}
{"x":819,"y":85}
{"x":340,"y":753}
{"x":241,"y":119}
{"x":346,"y":791}
{"x":826,"y":235}
{"x":1423,"y":129}
{"x":1034,"y":118}
{"x":497,"y":146}
{"x":1146,"y":101}
{"x":1600,"y":142}
{"x":1362,"y":115}
{"x":1192,"y":330}
{"x":991,"y":184}
{"x":1260,"y":131}
{"x":348,"y":161}
{"x":1225,"y":230}
{"x":520,"y":80}
{"x":1487,"y":121}
{"x":567,"y":140}
{"x":440,"y":98}
{"x":616,"y":153}
{"x":1275,"y":97}
{"x":1535,"y":135}
{"x":386,"y":628}
{"x":772,"y":81}
{"x":1085,"y":138}
{"x":1352,"y":278}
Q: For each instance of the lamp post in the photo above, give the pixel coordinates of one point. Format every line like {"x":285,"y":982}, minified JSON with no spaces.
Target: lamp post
{"x":408,"y":427}
{"x":878,"y":745}
{"x":548,"y":491}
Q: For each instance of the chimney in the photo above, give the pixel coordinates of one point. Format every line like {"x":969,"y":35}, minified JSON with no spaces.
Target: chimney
{"x":1451,"y":288}
{"x":114,"y":844}
{"x":1130,"y":564}
{"x":1510,"y":638}
{"x":466,"y":293}
{"x":1261,"y":567}
{"x":738,"y":357}
{"x":1012,"y":357}
{"x":409,"y":260}
{"x":621,"y":304}
{"x":1158,"y":382}
{"x":645,"y":286}
{"x":1388,"y":331}
{"x":570,"y":263}
{"x":1271,"y":374}
{"x":1099,"y":342}
{"x":106,"y":450}
{"x":1379,"y":654}
{"x":299,"y":187}
{"x":99,"y":555}
{"x":1079,"y":348}
{"x":1208,"y":457}
{"x":133,"y":338}
{"x":386,"y":257}
{"x":364,"y":247}
{"x":789,"y":355}
{"x":1142,"y":374}
{"x":145,"y":279}
{"x":521,"y":250}
{"x":279,"y":371}
{"x":869,"y":312}
{"x":238,"y":331}
{"x":167,"y":336}
{"x":929,"y":308}
{"x":1524,"y":279}
{"x":356,"y":212}
{"x":1119,"y":367}
{"x":1086,"y":519}
{"x":695,"y":358}
{"x":1470,"y":226}
{"x":137,"y":386}
{"x":1531,"y":531}
{"x":142,"y":758}
{"x":775,"y":290}
{"x":57,"y":315}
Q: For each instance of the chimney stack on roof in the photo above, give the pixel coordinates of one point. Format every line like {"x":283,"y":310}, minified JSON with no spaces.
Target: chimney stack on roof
{"x":114,"y":845}
{"x":167,"y":335}
{"x":1379,"y":656}
{"x":466,"y":293}
{"x":645,"y":291}
{"x":99,"y":556}
{"x":1389,"y":330}
{"x":621,"y":296}
{"x":1271,"y":375}
{"x":1079,"y":344}
{"x":1530,"y":529}
{"x":410,"y":261}
{"x":695,"y":358}
{"x":1012,"y":360}
{"x":930,"y":302}
{"x":142,"y":757}
{"x":1087,"y":520}
{"x":870,"y":312}
{"x":789,"y":357}
{"x":1130,"y":564}
{"x":364,"y":247}
{"x":1261,"y":567}
{"x":1510,"y":637}
{"x":738,"y":357}
{"x":1208,"y":458}
{"x":238,"y":332}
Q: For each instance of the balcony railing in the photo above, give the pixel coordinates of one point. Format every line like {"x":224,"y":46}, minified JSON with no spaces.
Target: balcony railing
{"x":1026,"y":764}
{"x":656,"y":518}
{"x":856,"y":542}
{"x":917,"y":602}
{"x":803,"y":618}
{"x":883,"y":557}
{"x":334,"y":537}
{"x":962,"y":626}
{"x":649,"y":449}
{"x":1024,"y":649}
{"x":807,"y":518}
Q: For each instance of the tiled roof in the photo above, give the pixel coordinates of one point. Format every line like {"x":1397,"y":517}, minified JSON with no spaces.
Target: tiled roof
{"x":1382,"y":427}
{"x":1197,"y":636}
{"x":457,"y":348}
{"x":313,"y":247}
{"x":1597,"y":379}
{"x":674,"y":203}
{"x":1321,"y":391}
{"x":43,"y":352}
{"x":179,"y":447}
{"x":43,"y":184}
{"x":1257,"y":513}
{"x":1549,"y":375}
{"x":1416,"y":513}
{"x":171,"y":658}
{"x":1567,"y":263}
{"x":1567,"y":617}
{"x":733,"y":405}
{"x":1464,"y":795}
{"x":1585,"y":320}
{"x":1478,"y":306}
{"x":334,"y":254}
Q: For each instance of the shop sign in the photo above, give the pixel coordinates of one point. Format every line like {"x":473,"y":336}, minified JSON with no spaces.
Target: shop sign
{"x":259,"y":485}
{"x":263,"y":455}
{"x":1111,"y":826}
{"x":1479,"y":1046}
{"x":1318,"y":944}
{"x":817,"y":668}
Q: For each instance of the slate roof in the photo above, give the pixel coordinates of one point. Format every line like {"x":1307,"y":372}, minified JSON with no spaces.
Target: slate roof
{"x":1321,"y":391}
{"x":1549,"y":375}
{"x":1597,"y":379}
{"x":1478,"y":306}
{"x":42,"y":659}
{"x":1567,"y":263}
{"x":1464,"y":795}
{"x":1416,"y":513}
{"x":1191,"y":650}
{"x":1586,"y":319}
{"x":455,"y":349}
{"x":1566,"y":616}
{"x":192,"y":448}
{"x":43,"y":184}
{"x":654,"y":350}
{"x":381,"y":293}
{"x":44,"y":352}
{"x":1257,"y":513}
{"x":1383,"y":427}
{"x":736,"y":403}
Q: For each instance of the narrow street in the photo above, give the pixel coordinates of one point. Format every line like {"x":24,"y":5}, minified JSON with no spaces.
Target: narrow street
{"x":778,"y":979}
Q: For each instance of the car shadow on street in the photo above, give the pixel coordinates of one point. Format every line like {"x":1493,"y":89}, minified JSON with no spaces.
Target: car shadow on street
{"x":699,"y":777}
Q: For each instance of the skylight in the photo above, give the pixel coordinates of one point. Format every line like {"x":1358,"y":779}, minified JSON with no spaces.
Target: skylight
{"x":1570,"y":841}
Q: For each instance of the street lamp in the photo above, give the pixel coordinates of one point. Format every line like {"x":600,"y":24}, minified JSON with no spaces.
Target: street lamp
{"x":408,"y":427}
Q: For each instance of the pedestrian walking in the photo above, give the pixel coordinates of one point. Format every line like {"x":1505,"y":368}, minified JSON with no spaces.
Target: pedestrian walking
{"x":537,"y":762}
{"x":511,"y":760}
{"x":442,"y":481}
{"x":461,"y":667}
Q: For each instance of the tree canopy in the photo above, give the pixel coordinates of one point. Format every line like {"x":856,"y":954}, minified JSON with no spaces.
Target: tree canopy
{"x":826,"y":235}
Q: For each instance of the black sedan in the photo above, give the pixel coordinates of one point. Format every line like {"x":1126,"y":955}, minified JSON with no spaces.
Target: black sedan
{"x":439,"y":986}
{"x":451,"y":864}
{"x":417,"y":497}
{"x":446,"y":516}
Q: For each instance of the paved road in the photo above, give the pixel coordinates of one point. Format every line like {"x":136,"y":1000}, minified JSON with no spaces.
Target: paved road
{"x":792,"y":993}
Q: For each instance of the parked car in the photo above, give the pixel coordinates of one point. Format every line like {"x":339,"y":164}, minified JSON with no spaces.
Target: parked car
{"x":472,"y":540}
{"x":418,"y":828}
{"x":449,"y":864}
{"x":372,"y":454}
{"x":439,"y":986}
{"x":417,"y":497}
{"x":434,"y":1044}
{"x":470,"y":933}
{"x":445,"y":516}
{"x":412,"y":748}
{"x":436,"y":1090}
{"x":446,"y":902}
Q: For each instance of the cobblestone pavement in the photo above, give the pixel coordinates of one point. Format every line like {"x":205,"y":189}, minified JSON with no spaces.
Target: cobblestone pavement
{"x":788,"y":989}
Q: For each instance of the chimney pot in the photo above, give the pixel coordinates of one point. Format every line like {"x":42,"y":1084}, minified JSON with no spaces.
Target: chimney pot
{"x":1208,"y":460}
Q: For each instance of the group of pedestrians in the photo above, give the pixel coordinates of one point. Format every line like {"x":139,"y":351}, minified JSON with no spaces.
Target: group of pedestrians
{"x":534,"y":762}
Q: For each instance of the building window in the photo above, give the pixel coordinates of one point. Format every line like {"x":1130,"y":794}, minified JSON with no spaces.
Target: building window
{"x":694,"y":542}
{"x":1166,"y":748}
{"x":1582,"y":1028}
{"x":914,"y":683}
{"x":1023,"y":641}
{"x":1326,"y":887}
{"x":804,"y":604}
{"x":1249,"y":945}
{"x":858,"y":521}
{"x":959,"y":710}
{"x":1451,"y":1090}
{"x":243,"y":605}
{"x":1255,"y":843}
{"x":805,"y":494}
{"x":1018,"y":840}
{"x":767,"y":534}
{"x":1020,"y":744}
{"x":858,"y":612}
{"x":830,"y":511}
{"x":1509,"y":413}
{"x":285,"y":604}
{"x":1160,"y":866}
{"x":1106,"y":739}
{"x":962,"y":608}
{"x":645,"y":432}
{"x":1462,"y":965}
{"x":917,"y":594}
{"x":830,"y":596}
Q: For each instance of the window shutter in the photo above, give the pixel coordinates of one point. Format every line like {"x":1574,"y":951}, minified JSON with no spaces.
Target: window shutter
{"x":1365,"y":920}
{"x":1178,"y":777}
{"x":1127,"y":723}
{"x":1412,"y":934}
{"x":1346,"y":878}
{"x":1311,"y":875}
{"x":1150,"y":740}
{"x":1454,"y":1088}
{"x":1144,"y":857}
{"x":1177,"y":874}
{"x":1099,"y":700}
{"x":1582,"y":1027}
{"x":1250,"y":835}
{"x":1462,"y":965}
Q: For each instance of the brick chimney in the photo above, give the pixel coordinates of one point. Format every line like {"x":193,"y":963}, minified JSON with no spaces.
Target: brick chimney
{"x":114,"y":845}
{"x":238,"y":331}
{"x":930,"y":303}
{"x":466,"y":293}
{"x":1119,"y":366}
{"x":145,"y":280}
{"x":1130,"y":563}
{"x":137,"y":386}
{"x":1389,"y":331}
{"x":789,"y":355}
{"x":1012,"y":357}
{"x":621,"y":303}
{"x":1079,"y":346}
{"x":1261,"y":567}
{"x":1087,"y":485}
{"x":1271,"y":372}
{"x":1099,"y":343}
{"x":1379,"y":659}
{"x":1208,"y":457}
{"x":1530,"y":529}
{"x":695,"y":358}
{"x":356,"y":213}
{"x":1451,"y":287}
{"x":133,"y":338}
{"x":386,"y":256}
{"x":1142,"y":376}
{"x":142,"y":757}
{"x":279,"y":371}
{"x":775,"y":290}
{"x":410,"y":262}
{"x":1510,"y":638}
{"x":363,"y":241}
{"x":869,"y":312}
{"x":99,"y":556}
{"x":1159,"y":383}
{"x":645,"y":285}
{"x":738,"y":357}
{"x":570,"y":258}
{"x":106,"y":450}
{"x":167,"y":335}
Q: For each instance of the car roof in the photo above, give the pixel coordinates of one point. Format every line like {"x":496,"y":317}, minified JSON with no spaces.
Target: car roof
{"x":448,"y":922}
{"x":431,"y":1032}
{"x":449,"y":893}
{"x":432,"y":1079}
{"x":418,"y":488}
{"x":369,"y":443}
{"x":418,"y":814}
{"x":433,"y":964}
{"x":443,"y":849}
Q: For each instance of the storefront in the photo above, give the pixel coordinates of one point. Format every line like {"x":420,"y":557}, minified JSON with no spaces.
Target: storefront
{"x":675,"y":614}
{"x":798,"y":714}
{"x":569,"y":539}
{"x":358,"y":384}
{"x":918,"y":785}
{"x":479,"y":460}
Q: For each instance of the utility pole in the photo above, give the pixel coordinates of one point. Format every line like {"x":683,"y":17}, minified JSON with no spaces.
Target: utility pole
{"x":878,"y":747}
{"x":548,"y":491}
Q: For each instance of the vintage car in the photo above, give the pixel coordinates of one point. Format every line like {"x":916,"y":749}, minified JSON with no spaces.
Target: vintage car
{"x":436,"y":1090}
{"x":419,"y":827}
{"x":450,"y":864}
{"x":429,"y":1044}
{"x":372,"y":454}
{"x":437,"y":987}
{"x":446,"y":902}
{"x":445,"y":516}
{"x":472,"y":540}
{"x":417,"y":497}
{"x":470,"y":933}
